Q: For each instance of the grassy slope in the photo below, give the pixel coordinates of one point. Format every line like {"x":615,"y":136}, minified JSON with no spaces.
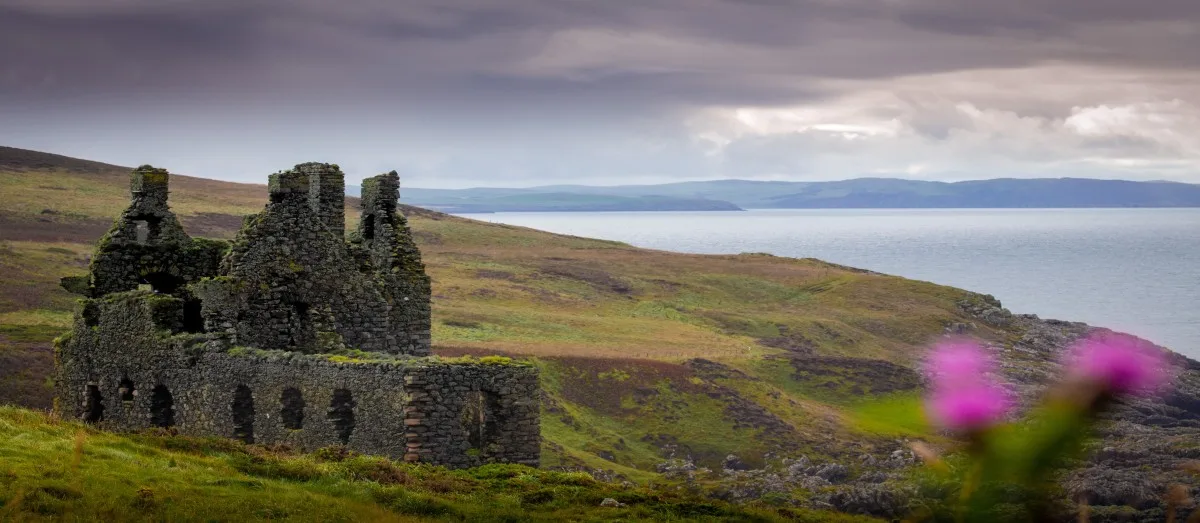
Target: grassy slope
{"x":56,"y":471}
{"x":615,"y":329}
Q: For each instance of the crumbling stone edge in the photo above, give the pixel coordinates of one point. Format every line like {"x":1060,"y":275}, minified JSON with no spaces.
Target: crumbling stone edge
{"x":294,"y":333}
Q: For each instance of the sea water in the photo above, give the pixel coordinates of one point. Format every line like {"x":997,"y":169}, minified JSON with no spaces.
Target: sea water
{"x":1134,"y":270}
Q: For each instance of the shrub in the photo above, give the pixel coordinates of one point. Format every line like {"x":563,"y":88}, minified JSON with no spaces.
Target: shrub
{"x":537,"y":497}
{"x":500,"y":471}
{"x":298,"y":469}
{"x":334,"y":454}
{"x":402,"y":501}
{"x":377,"y":469}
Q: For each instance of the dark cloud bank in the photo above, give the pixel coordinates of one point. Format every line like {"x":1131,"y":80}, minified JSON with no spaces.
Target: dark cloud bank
{"x":457,"y":92}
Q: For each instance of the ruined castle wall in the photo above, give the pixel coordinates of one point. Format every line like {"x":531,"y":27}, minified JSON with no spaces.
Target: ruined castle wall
{"x":123,"y":369}
{"x":384,"y":235}
{"x":359,"y":312}
{"x":297,"y":285}
{"x":234,"y":340}
{"x":464,"y":415}
{"x":327,"y":195}
{"x":291,"y":272}
{"x":146,"y":244}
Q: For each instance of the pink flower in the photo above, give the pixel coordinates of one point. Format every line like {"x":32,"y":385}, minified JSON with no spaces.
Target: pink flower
{"x":956,"y":362}
{"x":1121,"y":363}
{"x":964,"y":397}
{"x":970,"y":408}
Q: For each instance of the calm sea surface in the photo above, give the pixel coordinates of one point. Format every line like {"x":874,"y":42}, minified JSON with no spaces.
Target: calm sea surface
{"x":1135,"y":270}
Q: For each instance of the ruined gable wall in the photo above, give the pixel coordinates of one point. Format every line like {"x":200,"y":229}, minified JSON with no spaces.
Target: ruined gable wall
{"x":287,"y":272}
{"x":146,"y":244}
{"x":294,"y":281}
{"x":383,"y":234}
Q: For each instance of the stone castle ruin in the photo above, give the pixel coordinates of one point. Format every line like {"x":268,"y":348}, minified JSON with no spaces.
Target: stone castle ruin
{"x":293,"y":333}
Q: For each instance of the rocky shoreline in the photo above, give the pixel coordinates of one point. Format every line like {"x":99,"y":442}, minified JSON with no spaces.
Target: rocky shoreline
{"x":1144,"y":450}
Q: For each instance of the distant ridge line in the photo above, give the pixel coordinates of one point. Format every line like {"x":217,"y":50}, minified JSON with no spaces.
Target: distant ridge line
{"x":734,"y":194}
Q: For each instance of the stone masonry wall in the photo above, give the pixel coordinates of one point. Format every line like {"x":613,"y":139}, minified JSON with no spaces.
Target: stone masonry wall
{"x":146,"y":244}
{"x":294,"y":282}
{"x":384,"y":237}
{"x":236,"y":339}
{"x":128,"y":371}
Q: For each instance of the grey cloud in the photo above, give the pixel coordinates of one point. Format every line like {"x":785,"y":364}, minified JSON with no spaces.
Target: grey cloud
{"x":269,"y":44}
{"x":551,"y":89}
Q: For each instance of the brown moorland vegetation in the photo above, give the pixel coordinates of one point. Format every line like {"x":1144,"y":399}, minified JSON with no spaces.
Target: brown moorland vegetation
{"x":643,"y":352}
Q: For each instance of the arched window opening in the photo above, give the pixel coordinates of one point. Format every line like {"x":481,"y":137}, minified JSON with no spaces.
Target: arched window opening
{"x":193,"y":321}
{"x":368,"y":232}
{"x":163,"y":282}
{"x":479,"y":418}
{"x":125,"y":388}
{"x":243,"y":414}
{"x":162,"y":407}
{"x":93,"y":405}
{"x":141,"y":230}
{"x":341,"y":414}
{"x":91,"y":314}
{"x":293,"y":408}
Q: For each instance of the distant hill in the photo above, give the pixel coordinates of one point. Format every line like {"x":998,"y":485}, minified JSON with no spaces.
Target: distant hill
{"x":488,"y":200}
{"x":13,"y":159}
{"x":719,"y":195}
{"x":856,"y":193}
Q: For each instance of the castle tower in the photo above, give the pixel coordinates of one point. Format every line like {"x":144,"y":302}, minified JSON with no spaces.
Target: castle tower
{"x":148,"y":188}
{"x":327,"y":194}
{"x":288,"y":188}
{"x":380,"y":196}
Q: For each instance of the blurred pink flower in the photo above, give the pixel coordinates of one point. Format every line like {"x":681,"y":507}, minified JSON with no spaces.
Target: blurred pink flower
{"x":964,"y":398}
{"x":1122,"y":363}
{"x":957,"y":362}
{"x":970,"y":408}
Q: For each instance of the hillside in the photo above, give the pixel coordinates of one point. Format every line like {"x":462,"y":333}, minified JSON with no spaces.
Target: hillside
{"x":859,"y":193}
{"x":595,"y":311}
{"x":608,"y":318}
{"x":730,"y":360}
{"x":518,"y":200}
{"x":158,"y":477}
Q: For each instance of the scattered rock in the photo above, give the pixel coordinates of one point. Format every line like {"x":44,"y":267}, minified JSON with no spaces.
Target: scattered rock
{"x":871,"y":500}
{"x":833,"y":472}
{"x":1107,"y":486}
{"x":734,"y":463}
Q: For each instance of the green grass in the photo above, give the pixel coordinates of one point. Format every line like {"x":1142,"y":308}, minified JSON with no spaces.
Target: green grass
{"x":57,"y":471}
{"x":589,"y":310}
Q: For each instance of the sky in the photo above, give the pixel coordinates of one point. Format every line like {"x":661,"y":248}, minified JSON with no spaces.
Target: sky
{"x":458,"y":93}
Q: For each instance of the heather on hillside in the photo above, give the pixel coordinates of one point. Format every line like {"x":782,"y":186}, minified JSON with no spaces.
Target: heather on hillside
{"x":748,"y":378}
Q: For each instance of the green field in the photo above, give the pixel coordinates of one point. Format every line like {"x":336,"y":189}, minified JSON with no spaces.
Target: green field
{"x":640,"y":350}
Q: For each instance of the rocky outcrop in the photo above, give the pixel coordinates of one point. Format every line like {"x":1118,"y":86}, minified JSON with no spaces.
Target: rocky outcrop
{"x":1144,"y":445}
{"x":1143,"y":448}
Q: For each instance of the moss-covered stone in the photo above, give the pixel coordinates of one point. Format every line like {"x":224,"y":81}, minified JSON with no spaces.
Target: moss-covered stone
{"x":288,"y":334}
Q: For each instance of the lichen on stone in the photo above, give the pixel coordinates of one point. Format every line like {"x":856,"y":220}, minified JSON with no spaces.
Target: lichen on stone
{"x":223,"y":337}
